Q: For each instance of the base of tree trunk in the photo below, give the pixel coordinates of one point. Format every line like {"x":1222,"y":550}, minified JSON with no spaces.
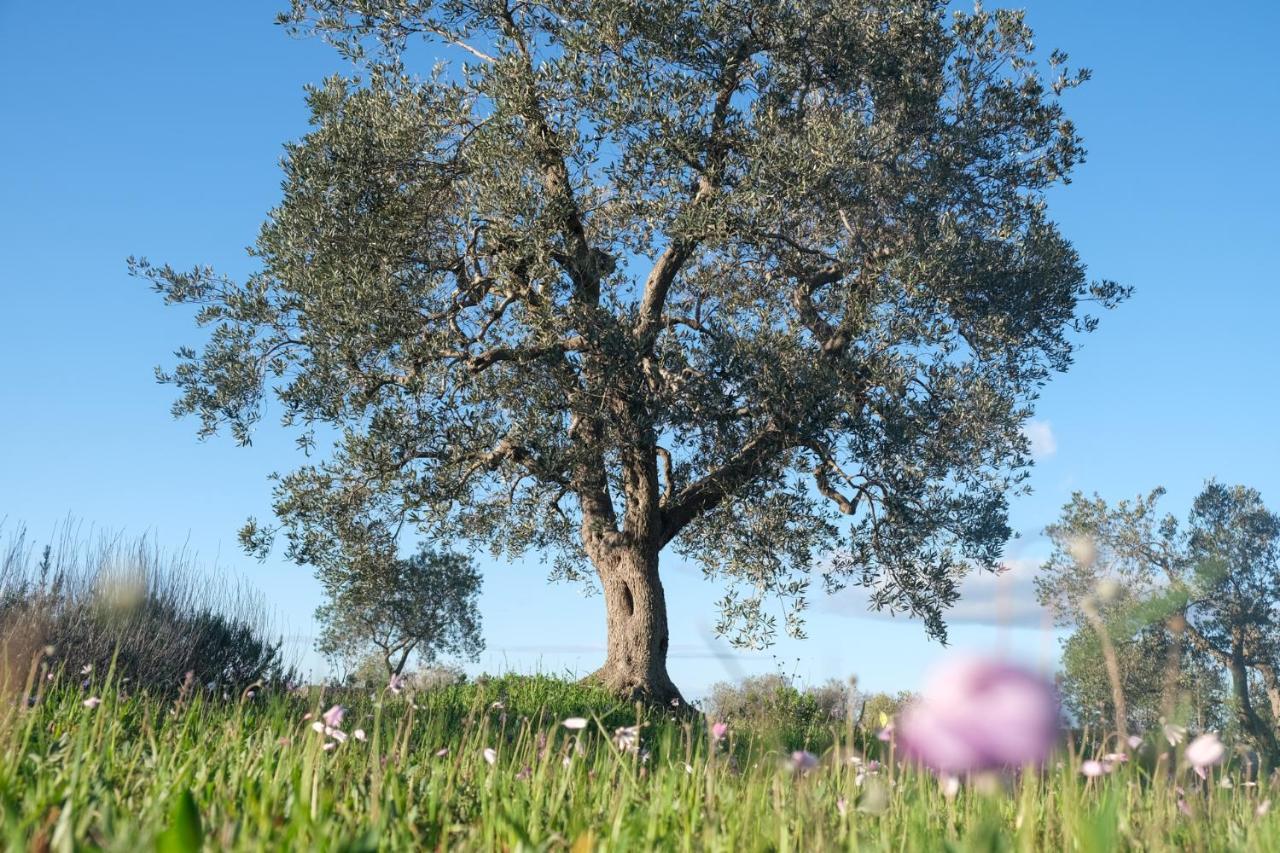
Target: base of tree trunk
{"x":654,"y":689}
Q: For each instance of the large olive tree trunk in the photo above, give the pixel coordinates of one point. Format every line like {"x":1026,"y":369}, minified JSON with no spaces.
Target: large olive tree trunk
{"x":636,"y":616}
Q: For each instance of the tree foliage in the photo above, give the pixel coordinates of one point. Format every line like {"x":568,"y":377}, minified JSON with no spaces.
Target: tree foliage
{"x":1215,"y":579}
{"x":762,"y":281}
{"x":1188,"y":685}
{"x":423,"y":606}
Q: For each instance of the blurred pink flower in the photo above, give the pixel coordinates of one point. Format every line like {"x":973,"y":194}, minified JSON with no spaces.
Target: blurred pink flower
{"x":885,"y":734}
{"x":359,"y":734}
{"x":626,"y":738}
{"x":1183,"y":807}
{"x":328,"y":746}
{"x":1115,"y":757}
{"x":950,"y":785}
{"x":1135,"y":741}
{"x":490,"y":754}
{"x":92,"y":702}
{"x":396,"y":684}
{"x":442,"y":752}
{"x":575,"y":723}
{"x":803,"y":761}
{"x":842,"y":806}
{"x":719,"y":730}
{"x":1204,"y":752}
{"x":329,"y":731}
{"x":333,"y":716}
{"x":1094,"y":769}
{"x":1174,"y":733}
{"x":977,"y":714}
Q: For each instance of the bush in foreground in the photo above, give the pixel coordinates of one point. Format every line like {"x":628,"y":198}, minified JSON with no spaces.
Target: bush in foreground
{"x":124,"y":604}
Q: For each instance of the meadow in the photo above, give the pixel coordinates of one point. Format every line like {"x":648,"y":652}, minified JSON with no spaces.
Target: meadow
{"x":521,"y":763}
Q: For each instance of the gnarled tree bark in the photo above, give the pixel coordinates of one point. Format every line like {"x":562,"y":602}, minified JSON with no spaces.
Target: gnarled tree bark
{"x":636,"y":615}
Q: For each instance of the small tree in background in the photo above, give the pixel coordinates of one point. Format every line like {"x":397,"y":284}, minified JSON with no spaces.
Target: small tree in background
{"x":1161,"y":677}
{"x":1213,"y":582}
{"x":759,"y":282}
{"x":424,"y":605}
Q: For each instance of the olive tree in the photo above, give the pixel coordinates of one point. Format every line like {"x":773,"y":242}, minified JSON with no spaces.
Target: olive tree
{"x":769,"y":284}
{"x":1162,"y":677}
{"x":1213,"y":580}
{"x":422,"y":606}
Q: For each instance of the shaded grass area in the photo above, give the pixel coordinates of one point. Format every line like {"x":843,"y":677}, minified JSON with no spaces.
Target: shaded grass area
{"x":251,"y":773}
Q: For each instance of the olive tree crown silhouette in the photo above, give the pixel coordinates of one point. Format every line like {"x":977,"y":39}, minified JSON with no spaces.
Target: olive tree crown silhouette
{"x":769,"y":284}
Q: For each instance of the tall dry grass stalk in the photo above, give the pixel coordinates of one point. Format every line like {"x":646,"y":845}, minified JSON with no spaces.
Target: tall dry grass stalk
{"x":85,"y":598}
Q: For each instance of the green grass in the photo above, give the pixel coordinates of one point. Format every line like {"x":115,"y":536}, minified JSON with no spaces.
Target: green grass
{"x":139,"y":773}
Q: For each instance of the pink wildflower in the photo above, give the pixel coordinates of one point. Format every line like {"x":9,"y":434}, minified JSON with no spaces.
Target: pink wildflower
{"x":950,"y":785}
{"x":1204,"y":752}
{"x":981,"y":715}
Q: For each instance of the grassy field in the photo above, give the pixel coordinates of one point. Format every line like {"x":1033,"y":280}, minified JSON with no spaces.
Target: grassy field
{"x":492,"y":766}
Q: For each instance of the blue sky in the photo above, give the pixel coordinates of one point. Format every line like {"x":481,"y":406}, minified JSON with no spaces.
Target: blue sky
{"x":156,"y":128}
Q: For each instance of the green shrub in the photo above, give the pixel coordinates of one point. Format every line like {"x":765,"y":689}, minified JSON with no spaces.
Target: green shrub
{"x":110,"y":602}
{"x":776,"y":710}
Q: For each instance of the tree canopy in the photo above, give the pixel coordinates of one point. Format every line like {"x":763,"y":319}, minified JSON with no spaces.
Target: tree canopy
{"x":423,"y":606}
{"x":1214,"y":580}
{"x":773,"y":284}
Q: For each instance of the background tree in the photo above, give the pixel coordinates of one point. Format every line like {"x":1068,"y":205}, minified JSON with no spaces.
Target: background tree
{"x":758,"y":281}
{"x":1189,"y":685}
{"x":1218,"y":576}
{"x":879,"y":708}
{"x":424,"y":605}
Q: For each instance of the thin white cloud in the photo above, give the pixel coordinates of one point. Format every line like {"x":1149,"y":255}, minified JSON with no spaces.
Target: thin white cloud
{"x":1040,"y":435}
{"x":1005,"y":598}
